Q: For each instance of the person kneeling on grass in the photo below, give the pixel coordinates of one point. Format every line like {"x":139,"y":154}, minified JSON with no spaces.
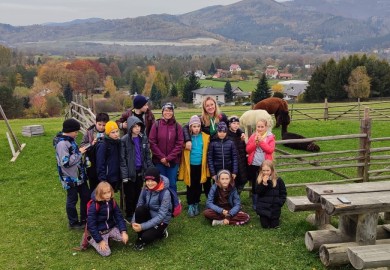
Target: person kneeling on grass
{"x":152,"y":214}
{"x":223,"y":203}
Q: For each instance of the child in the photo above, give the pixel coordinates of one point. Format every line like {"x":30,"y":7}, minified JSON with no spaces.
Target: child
{"x":105,"y":220}
{"x":260,"y":147}
{"x":152,"y":215}
{"x":71,"y":172}
{"x":92,"y":136}
{"x":222,"y":153}
{"x":223,"y":204}
{"x":236,"y":137}
{"x":193,"y":168}
{"x":135,"y":158}
{"x":271,"y":195}
{"x":108,"y":156}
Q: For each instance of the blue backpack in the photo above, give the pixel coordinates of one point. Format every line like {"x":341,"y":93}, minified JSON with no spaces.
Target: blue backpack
{"x":175,"y":201}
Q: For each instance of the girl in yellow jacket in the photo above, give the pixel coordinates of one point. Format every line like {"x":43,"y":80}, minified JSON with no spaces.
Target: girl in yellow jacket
{"x":193,"y":168}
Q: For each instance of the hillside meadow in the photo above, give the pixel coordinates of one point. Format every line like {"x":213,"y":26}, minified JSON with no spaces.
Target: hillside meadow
{"x":34,"y":224}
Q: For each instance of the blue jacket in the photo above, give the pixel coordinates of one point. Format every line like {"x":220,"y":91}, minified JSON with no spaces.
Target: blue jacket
{"x":222,"y":154}
{"x":234,"y":201}
{"x":160,"y":211}
{"x":108,"y":160}
{"x":104,"y":217}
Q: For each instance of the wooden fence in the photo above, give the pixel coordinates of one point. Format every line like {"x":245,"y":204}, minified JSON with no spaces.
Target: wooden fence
{"x":83,"y":115}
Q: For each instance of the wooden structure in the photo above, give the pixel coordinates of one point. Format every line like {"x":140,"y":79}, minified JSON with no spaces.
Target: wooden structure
{"x":83,"y":115}
{"x":363,"y":257}
{"x":358,"y":220}
{"x":33,"y":130}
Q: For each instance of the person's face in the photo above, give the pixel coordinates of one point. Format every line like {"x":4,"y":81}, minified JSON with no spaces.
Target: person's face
{"x":167,"y":113}
{"x":100,"y":126}
{"x":221,"y":134}
{"x":261,"y":127}
{"x":209,"y":106}
{"x":136,"y":130}
{"x":266,"y":170}
{"x":73,"y":134}
{"x":106,"y":194}
{"x":114,"y":134}
{"x":224,"y":180}
{"x":144,"y":108}
{"x":195,"y":129}
{"x":150,"y":184}
{"x":234,"y":126}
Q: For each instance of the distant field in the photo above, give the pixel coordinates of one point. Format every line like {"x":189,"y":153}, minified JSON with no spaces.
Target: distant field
{"x":247,"y":86}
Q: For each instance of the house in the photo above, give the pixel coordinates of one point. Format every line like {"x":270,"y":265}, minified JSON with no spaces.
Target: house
{"x":221,"y":74}
{"x":238,"y":94}
{"x":271,"y":72}
{"x":293,"y":89}
{"x":200,"y":94}
{"x":199,"y":74}
{"x":234,"y":68}
{"x":286,"y":76}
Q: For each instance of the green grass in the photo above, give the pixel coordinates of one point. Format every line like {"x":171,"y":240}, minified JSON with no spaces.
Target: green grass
{"x":34,"y":225}
{"x":246,"y":85}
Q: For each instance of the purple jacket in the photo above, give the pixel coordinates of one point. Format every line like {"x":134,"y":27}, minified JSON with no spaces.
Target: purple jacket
{"x":166,"y":141}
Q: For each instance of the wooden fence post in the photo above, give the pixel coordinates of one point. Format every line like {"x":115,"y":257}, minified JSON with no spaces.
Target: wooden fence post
{"x":326,"y":110}
{"x":365,"y":143}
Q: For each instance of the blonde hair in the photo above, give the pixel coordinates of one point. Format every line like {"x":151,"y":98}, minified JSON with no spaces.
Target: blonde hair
{"x":205,"y":118}
{"x":100,"y":189}
{"x":273,"y":176}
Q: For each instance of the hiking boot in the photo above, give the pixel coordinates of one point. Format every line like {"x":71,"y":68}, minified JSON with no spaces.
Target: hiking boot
{"x":76,"y":226}
{"x":139,"y":246}
{"x":165,"y":233}
{"x":191,"y":210}
{"x":196,"y":209}
{"x":217,"y":222}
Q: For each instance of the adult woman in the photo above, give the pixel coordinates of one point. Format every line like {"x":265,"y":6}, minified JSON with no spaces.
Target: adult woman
{"x":166,"y":143}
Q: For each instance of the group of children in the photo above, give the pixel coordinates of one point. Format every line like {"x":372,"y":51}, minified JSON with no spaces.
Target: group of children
{"x":124,"y":163}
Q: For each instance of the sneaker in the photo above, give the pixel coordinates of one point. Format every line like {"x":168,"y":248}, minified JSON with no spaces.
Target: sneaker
{"x":165,"y":233}
{"x":217,"y":222}
{"x":191,"y":212}
{"x":196,"y":209}
{"x":139,"y":246}
{"x":77,"y":226}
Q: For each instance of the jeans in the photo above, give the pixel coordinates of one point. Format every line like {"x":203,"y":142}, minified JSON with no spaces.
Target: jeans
{"x":170,"y":173}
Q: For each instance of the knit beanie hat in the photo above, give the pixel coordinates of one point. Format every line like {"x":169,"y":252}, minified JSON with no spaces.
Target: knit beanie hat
{"x":152,"y":173}
{"x":70,"y":125}
{"x":194,"y":120}
{"x":233,"y":119}
{"x":110,"y":126}
{"x":139,"y":101}
{"x":222,"y":127}
{"x":168,"y":105}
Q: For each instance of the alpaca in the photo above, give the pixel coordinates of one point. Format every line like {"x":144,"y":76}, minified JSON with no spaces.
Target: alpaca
{"x":307,"y":146}
{"x":250,"y":118}
{"x":273,"y":105}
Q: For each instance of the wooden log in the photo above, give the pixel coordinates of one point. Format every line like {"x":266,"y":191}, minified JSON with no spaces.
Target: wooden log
{"x":315,"y":239}
{"x":336,"y":254}
{"x":366,"y":228}
{"x":372,"y":256}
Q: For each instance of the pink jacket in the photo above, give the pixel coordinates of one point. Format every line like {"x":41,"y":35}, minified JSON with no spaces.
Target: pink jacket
{"x":267,"y":145}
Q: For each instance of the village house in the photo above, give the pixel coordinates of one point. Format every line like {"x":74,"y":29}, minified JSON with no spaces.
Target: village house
{"x":271,"y":72}
{"x":240,"y":95}
{"x":293,"y":89}
{"x":200,"y":94}
{"x":234,"y":68}
{"x":285,"y":76}
{"x":221,"y":74}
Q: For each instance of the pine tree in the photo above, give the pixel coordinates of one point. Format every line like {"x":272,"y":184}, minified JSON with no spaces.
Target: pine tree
{"x":68,"y":93}
{"x":228,"y":92}
{"x":262,"y":90}
{"x":155,"y":96}
{"x":212,"y":69}
{"x":191,"y":84}
{"x":173,"y":92}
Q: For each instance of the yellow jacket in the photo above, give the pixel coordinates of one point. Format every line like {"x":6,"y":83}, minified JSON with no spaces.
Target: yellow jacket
{"x":185,"y":171}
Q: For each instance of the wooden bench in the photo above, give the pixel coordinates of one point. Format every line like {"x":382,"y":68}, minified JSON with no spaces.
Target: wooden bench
{"x":371,"y":256}
{"x":302,"y":203}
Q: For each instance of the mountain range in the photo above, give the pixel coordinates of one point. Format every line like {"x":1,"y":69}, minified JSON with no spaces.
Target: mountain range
{"x":325,"y":25}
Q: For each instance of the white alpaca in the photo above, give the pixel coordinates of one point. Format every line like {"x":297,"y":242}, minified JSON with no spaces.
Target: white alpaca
{"x":250,"y":118}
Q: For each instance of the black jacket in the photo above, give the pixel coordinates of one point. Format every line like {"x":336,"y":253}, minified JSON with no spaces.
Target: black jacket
{"x":222,"y":154}
{"x":241,"y":157}
{"x":107,"y":160}
{"x":270,"y":199}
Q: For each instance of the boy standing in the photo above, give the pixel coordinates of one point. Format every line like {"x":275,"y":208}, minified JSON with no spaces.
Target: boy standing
{"x":71,"y":172}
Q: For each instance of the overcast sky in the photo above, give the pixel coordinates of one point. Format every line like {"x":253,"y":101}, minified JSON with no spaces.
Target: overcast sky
{"x":27,"y":12}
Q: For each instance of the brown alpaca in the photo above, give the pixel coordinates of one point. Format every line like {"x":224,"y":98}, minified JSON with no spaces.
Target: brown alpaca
{"x":307,"y":146}
{"x":275,"y":106}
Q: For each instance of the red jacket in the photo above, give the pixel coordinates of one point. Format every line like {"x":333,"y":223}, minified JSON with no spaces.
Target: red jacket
{"x":267,"y":145}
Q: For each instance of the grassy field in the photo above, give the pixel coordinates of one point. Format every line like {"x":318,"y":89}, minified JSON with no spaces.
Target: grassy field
{"x":35,"y":233}
{"x":247,"y":85}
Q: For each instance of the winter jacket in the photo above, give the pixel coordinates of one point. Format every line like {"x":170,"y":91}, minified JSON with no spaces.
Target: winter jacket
{"x":108,"y":160}
{"x":70,"y":167}
{"x":185,"y":166}
{"x":127,"y":160}
{"x":104,"y":217}
{"x":166,"y":141}
{"x":270,"y":199}
{"x":267,"y":145}
{"x":90,"y":135}
{"x":160,"y":211}
{"x":222,"y":154}
{"x":241,"y":155}
{"x":234,"y":201}
{"x":148,"y":120}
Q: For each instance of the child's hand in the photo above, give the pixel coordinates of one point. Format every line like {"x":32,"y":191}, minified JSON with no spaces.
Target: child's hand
{"x":94,"y":141}
{"x":243,"y":137}
{"x":124,"y":125}
{"x":189,"y":145}
{"x":136,"y":227}
{"x":226,"y":221}
{"x":125,"y":237}
{"x":234,"y":176}
{"x":265,"y":179}
{"x":83,"y":149}
{"x":103,"y":245}
{"x":214,"y":177}
{"x":225,"y":212}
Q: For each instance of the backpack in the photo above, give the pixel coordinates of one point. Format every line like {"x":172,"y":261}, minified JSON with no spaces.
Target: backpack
{"x":175,"y":201}
{"x":84,"y":239}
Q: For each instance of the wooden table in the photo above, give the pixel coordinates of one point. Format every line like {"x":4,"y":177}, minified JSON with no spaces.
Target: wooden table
{"x":358,"y":219}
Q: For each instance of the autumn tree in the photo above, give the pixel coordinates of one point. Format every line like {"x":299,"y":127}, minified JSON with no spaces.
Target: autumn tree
{"x":228,"y":92}
{"x":277,"y":88}
{"x":109,"y":85}
{"x":358,"y":83}
{"x":262,"y":90}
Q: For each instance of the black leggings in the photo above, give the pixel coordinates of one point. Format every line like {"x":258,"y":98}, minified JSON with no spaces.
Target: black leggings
{"x":268,"y":223}
{"x":142,"y":214}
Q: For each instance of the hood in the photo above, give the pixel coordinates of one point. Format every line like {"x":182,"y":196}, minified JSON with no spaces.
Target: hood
{"x":166,"y":181}
{"x":131,"y":121}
